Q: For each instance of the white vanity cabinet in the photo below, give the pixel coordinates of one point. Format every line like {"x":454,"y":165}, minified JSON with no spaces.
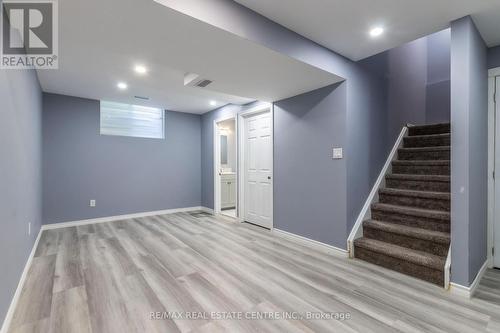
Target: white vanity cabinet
{"x":228,"y":190}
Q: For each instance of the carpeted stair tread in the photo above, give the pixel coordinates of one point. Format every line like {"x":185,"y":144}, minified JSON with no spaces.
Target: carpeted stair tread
{"x":429,"y":136}
{"x":434,"y":178}
{"x":419,"y":233}
{"x":429,"y":129}
{"x":412,"y":211}
{"x":431,"y":140}
{"x":413,"y":256}
{"x":421,"y":167}
{"x":421,"y":162}
{"x":424,"y":153}
{"x":415,"y":198}
{"x":409,"y":228}
{"x":416,"y":194}
{"x":436,"y":183}
{"x":425,"y":149}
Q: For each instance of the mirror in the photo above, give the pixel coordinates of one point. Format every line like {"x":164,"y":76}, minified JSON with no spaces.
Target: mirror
{"x":223,"y":149}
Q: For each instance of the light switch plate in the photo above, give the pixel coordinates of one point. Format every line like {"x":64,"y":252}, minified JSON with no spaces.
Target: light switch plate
{"x":337,"y":153}
{"x":92,"y":203}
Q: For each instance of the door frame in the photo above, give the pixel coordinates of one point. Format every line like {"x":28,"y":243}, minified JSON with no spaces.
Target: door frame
{"x":241,"y":157}
{"x":216,"y":158}
{"x":493,"y":211}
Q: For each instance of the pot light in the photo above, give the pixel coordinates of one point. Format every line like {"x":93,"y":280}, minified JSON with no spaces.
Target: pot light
{"x":377,"y":31}
{"x":140,"y":69}
{"x":122,"y":85}
{"x":213,"y":103}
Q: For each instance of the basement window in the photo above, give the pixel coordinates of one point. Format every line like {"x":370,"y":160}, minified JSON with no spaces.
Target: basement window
{"x":132,"y":120}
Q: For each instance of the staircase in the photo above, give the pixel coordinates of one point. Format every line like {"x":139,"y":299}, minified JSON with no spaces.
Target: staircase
{"x":409,"y":229}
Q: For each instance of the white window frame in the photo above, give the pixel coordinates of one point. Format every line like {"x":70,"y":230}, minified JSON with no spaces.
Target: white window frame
{"x":129,"y":107}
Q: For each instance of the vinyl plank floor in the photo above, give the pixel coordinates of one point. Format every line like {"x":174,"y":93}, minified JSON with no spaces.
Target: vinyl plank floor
{"x":36,"y":297}
{"x":68,"y":272}
{"x":199,"y":273}
{"x":70,"y":312}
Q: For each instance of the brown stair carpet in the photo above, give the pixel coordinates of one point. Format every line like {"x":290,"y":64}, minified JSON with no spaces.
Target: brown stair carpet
{"x":409,"y":229}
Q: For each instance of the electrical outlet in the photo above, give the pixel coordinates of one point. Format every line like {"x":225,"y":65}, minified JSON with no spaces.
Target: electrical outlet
{"x":92,"y":203}
{"x":29,"y":228}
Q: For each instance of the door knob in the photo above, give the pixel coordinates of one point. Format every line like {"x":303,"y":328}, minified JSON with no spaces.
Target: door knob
{"x":268,"y":177}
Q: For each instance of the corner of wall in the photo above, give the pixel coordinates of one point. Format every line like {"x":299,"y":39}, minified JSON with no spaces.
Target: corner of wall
{"x":469,"y":114}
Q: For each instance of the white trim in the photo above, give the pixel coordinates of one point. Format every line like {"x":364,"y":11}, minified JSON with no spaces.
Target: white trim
{"x":256,"y":109}
{"x":491,"y":166}
{"x":20,"y":285}
{"x":459,"y":290}
{"x":494,"y":72}
{"x":207,"y":210}
{"x":123,"y":217}
{"x":216,"y":148}
{"x":216,"y":151}
{"x":241,"y":154}
{"x":325,"y":248}
{"x":447,"y":270}
{"x":357,"y":230}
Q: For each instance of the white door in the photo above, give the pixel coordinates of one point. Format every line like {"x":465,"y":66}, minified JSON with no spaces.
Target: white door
{"x":496,"y":231}
{"x":258,"y":150}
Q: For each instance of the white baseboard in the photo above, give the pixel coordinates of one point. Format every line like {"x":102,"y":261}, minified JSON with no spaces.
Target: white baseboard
{"x":447,"y":270}
{"x":207,"y":210}
{"x":468,"y":292}
{"x":123,"y":217}
{"x":329,"y":249}
{"x":17,"y":294}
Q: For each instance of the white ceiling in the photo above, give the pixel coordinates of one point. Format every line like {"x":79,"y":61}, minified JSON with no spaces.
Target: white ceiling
{"x":343,"y":25}
{"x":101,"y":41}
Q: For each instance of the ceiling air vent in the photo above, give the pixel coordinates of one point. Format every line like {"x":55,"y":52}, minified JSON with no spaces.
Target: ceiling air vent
{"x":194,"y":80}
{"x":203,"y":83}
{"x":142,"y":97}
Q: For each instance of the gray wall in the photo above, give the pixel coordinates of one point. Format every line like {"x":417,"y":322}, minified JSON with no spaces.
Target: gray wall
{"x":407,"y":86}
{"x":417,"y":77}
{"x":125,"y":175}
{"x":438,"y":85}
{"x":310,"y":189}
{"x":309,"y":186}
{"x":365,"y":144}
{"x":494,"y":57}
{"x":20,"y":176}
{"x":469,"y":151}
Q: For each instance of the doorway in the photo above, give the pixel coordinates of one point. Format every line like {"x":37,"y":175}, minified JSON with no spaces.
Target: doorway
{"x":226,"y":167}
{"x":256,"y":160}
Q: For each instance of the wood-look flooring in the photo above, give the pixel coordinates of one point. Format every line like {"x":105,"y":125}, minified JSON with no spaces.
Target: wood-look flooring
{"x":110,"y":277}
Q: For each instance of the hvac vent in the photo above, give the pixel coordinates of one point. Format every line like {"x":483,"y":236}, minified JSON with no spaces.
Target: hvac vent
{"x":194,"y":80}
{"x":203,"y":83}
{"x":142,"y":97}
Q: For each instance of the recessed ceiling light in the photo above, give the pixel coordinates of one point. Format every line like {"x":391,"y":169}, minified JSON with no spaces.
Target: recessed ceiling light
{"x":377,"y":31}
{"x":213,"y":103}
{"x":122,"y":85}
{"x":140,"y":69}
